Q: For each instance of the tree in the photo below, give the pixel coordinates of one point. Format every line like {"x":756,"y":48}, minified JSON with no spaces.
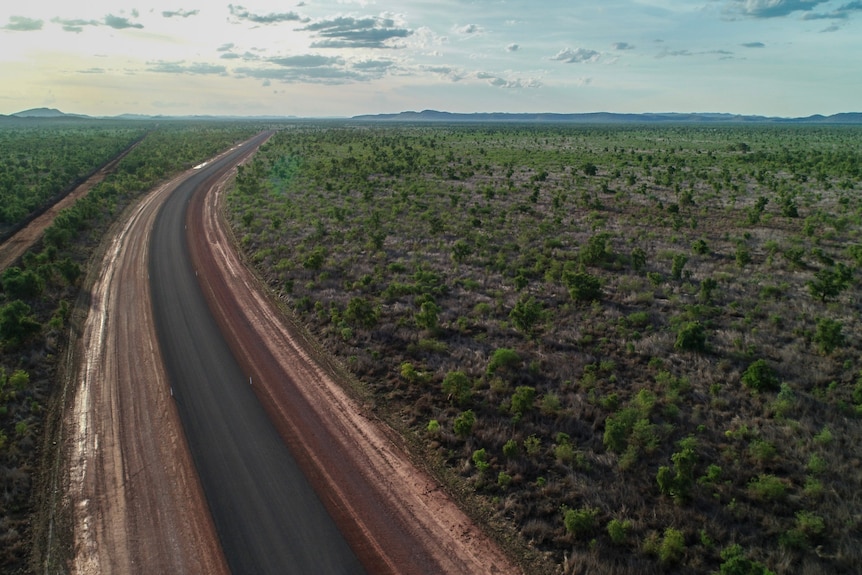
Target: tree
{"x":691,"y":336}
{"x":828,"y":335}
{"x":522,"y":400}
{"x":22,"y":284}
{"x":760,"y":377}
{"x":583,"y":286}
{"x":457,"y":386}
{"x":17,"y":323}
{"x":503,"y":358}
{"x":463,"y":425}
{"x":361,"y":313}
{"x":829,"y":282}
{"x":526,"y":314}
{"x":428,"y":315}
{"x":679,"y":261}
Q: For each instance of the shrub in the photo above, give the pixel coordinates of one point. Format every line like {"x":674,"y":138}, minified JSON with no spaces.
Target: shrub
{"x":17,"y":323}
{"x":361,"y":313}
{"x":734,"y":562}
{"x":679,"y":261}
{"x":510,"y":449}
{"x":504,"y":480}
{"x":526,"y":314}
{"x":503,"y":358}
{"x":760,"y":377}
{"x":767,"y":487}
{"x":480,"y":460}
{"x":828,"y":336}
{"x":457,"y":386}
{"x":583,"y":287}
{"x":619,"y":530}
{"x":522,"y":400}
{"x":463,"y":425}
{"x":691,"y":336}
{"x":672,"y":546}
{"x":580,"y":522}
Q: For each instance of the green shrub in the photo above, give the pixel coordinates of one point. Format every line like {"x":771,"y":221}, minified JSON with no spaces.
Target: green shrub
{"x":504,"y":480}
{"x":503,"y":358}
{"x":463,"y":425}
{"x":828,"y":336}
{"x":672,"y":546}
{"x":619,"y":530}
{"x":760,"y":377}
{"x":457,"y":386}
{"x":734,"y":562}
{"x":767,"y":487}
{"x":522,"y":400}
{"x":583,"y":287}
{"x":580,"y":522}
{"x":480,"y":460}
{"x":691,"y":336}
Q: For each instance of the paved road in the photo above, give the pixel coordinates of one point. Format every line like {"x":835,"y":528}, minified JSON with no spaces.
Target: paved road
{"x":267,"y":516}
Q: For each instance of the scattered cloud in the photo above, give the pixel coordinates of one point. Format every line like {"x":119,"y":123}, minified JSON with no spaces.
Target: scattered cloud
{"x":180,"y":13}
{"x":771,"y":8}
{"x":469,"y":29}
{"x":754,"y":45}
{"x":349,"y":32}
{"x":120,"y":23}
{"x":74,"y":25}
{"x":512,"y":48}
{"x":577,"y":56}
{"x":197,"y":68}
{"x":622,"y":46}
{"x":673,"y":53}
{"x":306,"y":61}
{"x":22,"y":24}
{"x":516,"y":83}
{"x":240,"y":13}
{"x":832,"y":28}
{"x":225,"y":47}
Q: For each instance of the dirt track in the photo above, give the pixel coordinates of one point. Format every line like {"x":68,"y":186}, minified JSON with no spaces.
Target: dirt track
{"x":15,"y":247}
{"x":137,"y":501}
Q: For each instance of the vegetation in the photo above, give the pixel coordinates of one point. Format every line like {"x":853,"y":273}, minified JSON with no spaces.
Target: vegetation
{"x":37,"y":164}
{"x":616,"y":332}
{"x":38,"y":294}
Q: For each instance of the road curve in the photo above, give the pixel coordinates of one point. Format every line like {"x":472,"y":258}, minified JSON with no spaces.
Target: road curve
{"x":267,"y":516}
{"x":136,"y":503}
{"x":395,"y":516}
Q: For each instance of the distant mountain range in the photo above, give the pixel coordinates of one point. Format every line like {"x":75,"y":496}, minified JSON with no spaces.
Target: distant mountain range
{"x":491,"y":117}
{"x":609,"y":118}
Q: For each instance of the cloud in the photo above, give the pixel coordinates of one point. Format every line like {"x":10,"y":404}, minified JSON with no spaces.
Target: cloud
{"x":225,"y":47}
{"x":306,"y":61}
{"x":74,"y":25}
{"x":754,"y":45}
{"x":826,"y":16}
{"x":240,"y":13}
{"x":120,"y":23}
{"x":198,"y":68}
{"x":832,"y":28}
{"x":468,"y":29}
{"x":665,"y":53}
{"x":512,"y":48}
{"x":577,"y":56}
{"x":180,"y":13}
{"x":516,"y":83}
{"x":622,"y":46}
{"x":348,"y":32}
{"x":771,"y":8}
{"x":851,"y":7}
{"x":22,"y":24}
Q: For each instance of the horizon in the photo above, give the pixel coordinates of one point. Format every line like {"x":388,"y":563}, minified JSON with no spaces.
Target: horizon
{"x":343,"y":58}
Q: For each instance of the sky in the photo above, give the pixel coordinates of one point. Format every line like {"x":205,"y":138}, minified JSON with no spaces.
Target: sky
{"x":324,"y":58}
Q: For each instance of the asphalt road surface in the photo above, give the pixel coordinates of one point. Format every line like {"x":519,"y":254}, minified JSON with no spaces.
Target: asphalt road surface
{"x":267,"y":516}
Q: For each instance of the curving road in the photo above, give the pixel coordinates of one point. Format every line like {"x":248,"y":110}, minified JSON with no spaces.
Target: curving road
{"x":176,"y":329}
{"x":268,"y":518}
